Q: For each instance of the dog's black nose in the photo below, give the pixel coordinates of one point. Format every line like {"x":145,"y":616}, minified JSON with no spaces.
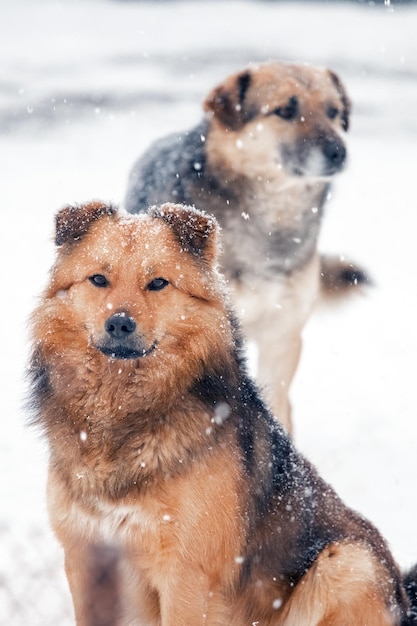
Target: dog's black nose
{"x":334,"y":151}
{"x":120,"y":325}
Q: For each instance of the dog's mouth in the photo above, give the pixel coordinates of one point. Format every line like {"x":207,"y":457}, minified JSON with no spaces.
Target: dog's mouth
{"x":311,"y":172}
{"x":125,"y":351}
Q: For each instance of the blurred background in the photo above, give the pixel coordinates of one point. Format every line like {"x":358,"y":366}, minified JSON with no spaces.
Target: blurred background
{"x":85,"y":86}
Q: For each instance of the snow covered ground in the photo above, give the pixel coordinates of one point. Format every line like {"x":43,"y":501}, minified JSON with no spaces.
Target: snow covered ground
{"x":84,"y":87}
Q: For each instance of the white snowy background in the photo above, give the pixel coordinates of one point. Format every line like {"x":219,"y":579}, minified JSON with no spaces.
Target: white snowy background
{"x":84,"y":87}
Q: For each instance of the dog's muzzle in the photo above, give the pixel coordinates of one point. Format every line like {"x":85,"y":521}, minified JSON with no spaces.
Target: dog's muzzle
{"x":334,"y":152}
{"x":121,"y":339}
{"x":324,"y":154}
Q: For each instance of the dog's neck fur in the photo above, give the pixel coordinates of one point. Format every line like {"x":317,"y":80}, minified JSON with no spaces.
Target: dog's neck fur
{"x":277,"y":229}
{"x":288,"y":217}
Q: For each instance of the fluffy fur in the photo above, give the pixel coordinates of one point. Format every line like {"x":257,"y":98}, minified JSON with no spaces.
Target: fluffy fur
{"x":161,"y":447}
{"x":261,"y":161}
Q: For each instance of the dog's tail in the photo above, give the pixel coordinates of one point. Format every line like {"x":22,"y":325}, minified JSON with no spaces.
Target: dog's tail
{"x":340,"y":276}
{"x":410,"y":586}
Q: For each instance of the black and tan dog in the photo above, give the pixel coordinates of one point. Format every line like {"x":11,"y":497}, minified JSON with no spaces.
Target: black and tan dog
{"x":161,"y":447}
{"x":261,"y":161}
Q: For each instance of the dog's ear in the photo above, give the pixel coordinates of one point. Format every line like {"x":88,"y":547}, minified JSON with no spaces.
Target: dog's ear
{"x":72,"y":222}
{"x":227,"y":102}
{"x":195,"y":230}
{"x":346,"y":104}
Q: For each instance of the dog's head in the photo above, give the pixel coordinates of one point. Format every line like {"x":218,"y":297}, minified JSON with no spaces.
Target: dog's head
{"x":134,"y":292}
{"x":286,"y":116}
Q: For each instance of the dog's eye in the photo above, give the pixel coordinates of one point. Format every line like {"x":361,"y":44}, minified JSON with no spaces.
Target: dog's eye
{"x":332,"y":113}
{"x":98,"y":280}
{"x":289,"y":111}
{"x":157,"y":284}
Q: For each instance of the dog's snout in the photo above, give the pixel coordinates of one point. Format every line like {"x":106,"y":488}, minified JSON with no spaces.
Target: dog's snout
{"x":334,"y":151}
{"x":120,"y":325}
{"x":122,"y":339}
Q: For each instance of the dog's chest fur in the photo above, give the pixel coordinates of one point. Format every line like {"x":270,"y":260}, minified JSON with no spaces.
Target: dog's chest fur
{"x":113,"y":523}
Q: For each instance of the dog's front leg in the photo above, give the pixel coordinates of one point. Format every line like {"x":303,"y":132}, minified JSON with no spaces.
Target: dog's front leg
{"x":78,"y":575}
{"x":98,"y":593}
{"x":274,"y":317}
{"x":193,"y":601}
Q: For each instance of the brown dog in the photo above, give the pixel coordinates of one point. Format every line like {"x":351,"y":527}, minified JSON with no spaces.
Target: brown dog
{"x":261,"y":161}
{"x":161,"y":447}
